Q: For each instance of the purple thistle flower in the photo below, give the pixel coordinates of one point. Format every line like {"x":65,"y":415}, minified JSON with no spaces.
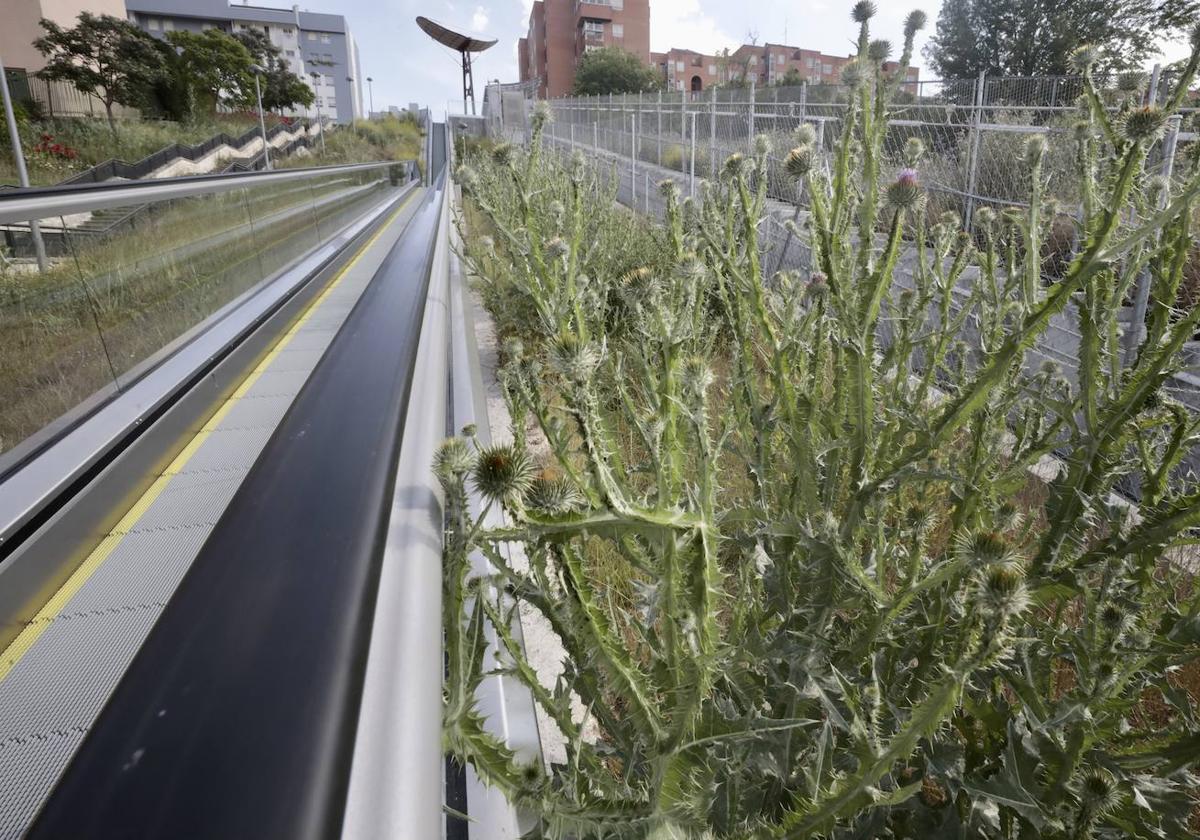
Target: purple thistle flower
{"x":907,"y":177}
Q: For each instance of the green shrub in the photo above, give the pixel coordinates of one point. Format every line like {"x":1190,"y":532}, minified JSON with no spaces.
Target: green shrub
{"x":805,"y":582}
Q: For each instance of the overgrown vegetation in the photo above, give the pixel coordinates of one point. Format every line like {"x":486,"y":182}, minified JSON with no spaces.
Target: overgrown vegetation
{"x":804,"y":579}
{"x":390,"y":138}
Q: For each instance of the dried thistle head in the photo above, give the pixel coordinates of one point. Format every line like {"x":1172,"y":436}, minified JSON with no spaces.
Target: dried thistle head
{"x":452,"y":461}
{"x":863,"y":11}
{"x":1144,"y":124}
{"x":1003,"y":593}
{"x":799,"y":162}
{"x":734,"y":165}
{"x":879,"y":50}
{"x":503,"y":473}
{"x":553,"y":495}
{"x":1084,"y":58}
{"x":557,"y":248}
{"x":914,"y":23}
{"x":762,"y":145}
{"x":669,"y":188}
{"x":542,"y":115}
{"x":805,"y":135}
{"x":502,"y":154}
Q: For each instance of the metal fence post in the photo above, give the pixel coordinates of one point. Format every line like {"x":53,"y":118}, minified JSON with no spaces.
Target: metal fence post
{"x":693,"y":187}
{"x":1155,"y":79}
{"x":973,"y":151}
{"x":712,"y":136}
{"x":572,"y":137}
{"x":1141,"y":299}
{"x":658,"y":114}
{"x":633,"y":142}
{"x":803,"y":99}
{"x":753,"y":96}
{"x":596,"y":137}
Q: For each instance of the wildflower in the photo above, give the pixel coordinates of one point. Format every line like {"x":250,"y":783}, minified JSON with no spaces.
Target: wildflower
{"x":696,"y":378}
{"x":906,"y":191}
{"x":818,"y":286}
{"x":554,"y":495}
{"x":863,"y":11}
{"x":1131,"y":81}
{"x":557,"y":248}
{"x":1085,"y":57}
{"x":799,"y":162}
{"x":503,"y":154}
{"x":914,"y":23}
{"x":851,"y":73}
{"x":984,"y":216}
{"x":919,"y":519}
{"x":806,"y":135}
{"x":578,"y":166}
{"x":503,"y":473}
{"x":1144,"y":124}
{"x":1003,"y":593}
{"x":762,"y":145}
{"x":1157,"y":190}
{"x":574,"y":360}
{"x":468,"y":178}
{"x":914,"y":150}
{"x":984,"y":549}
{"x":452,"y":461}
{"x":541,"y":115}
{"x":1008,"y":516}
{"x":1098,"y":792}
{"x":1035,"y":150}
{"x":734,"y":165}
{"x":879,"y":50}
{"x":635,"y":276}
{"x":557,"y":211}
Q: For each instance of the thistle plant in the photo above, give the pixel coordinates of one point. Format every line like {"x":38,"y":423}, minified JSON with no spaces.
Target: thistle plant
{"x":788,"y":529}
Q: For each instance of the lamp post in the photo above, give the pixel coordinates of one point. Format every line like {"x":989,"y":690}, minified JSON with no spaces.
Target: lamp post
{"x":370,"y":98}
{"x":262,"y":120}
{"x":316,"y":77}
{"x":35,"y":229}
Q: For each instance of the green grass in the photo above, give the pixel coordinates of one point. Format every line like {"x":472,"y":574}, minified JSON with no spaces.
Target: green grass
{"x":364,"y":140}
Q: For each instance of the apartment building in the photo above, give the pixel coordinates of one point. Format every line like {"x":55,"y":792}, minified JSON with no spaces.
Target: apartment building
{"x":766,"y":64}
{"x":310,"y":42}
{"x":561,"y":31}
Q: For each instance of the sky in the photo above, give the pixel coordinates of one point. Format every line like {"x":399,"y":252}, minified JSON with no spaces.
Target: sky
{"x":407,"y":66}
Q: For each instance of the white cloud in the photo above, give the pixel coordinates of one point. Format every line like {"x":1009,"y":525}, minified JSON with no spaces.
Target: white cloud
{"x":479,"y":20}
{"x":681,"y":23}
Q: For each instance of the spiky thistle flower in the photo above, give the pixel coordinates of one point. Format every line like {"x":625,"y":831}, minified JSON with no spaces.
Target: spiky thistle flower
{"x":542,"y":115}
{"x":574,"y":360}
{"x":554,"y":495}
{"x":984,"y":216}
{"x":668,"y":188}
{"x":734,"y":165}
{"x":762,"y":145}
{"x":557,"y":248}
{"x":1035,"y":150}
{"x":984,"y":549}
{"x":1085,"y":57}
{"x":914,"y":23}
{"x":914,"y":150}
{"x":852,"y":73}
{"x":863,"y":11}
{"x":1008,"y":517}
{"x":879,"y":50}
{"x":468,"y":178}
{"x":502,"y":154}
{"x":1003,"y":593}
{"x":452,"y":461}
{"x":1157,"y":190}
{"x":1131,"y":81}
{"x":1145,"y":124}
{"x":636,"y":276}
{"x":578,"y":166}
{"x":919,"y":519}
{"x":503,"y":473}
{"x":906,"y":191}
{"x":1098,"y":792}
{"x":799,"y":162}
{"x":805,"y":135}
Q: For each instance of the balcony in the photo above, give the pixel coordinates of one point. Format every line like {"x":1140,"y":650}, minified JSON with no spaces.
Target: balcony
{"x":595,"y":11}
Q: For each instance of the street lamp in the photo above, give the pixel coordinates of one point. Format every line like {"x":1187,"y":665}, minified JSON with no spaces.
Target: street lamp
{"x":35,"y":229}
{"x":370,"y":97}
{"x":262,"y":121}
{"x":316,"y":77}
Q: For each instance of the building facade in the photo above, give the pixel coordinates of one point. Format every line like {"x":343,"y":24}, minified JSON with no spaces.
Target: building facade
{"x":765,"y":65}
{"x":318,"y":48}
{"x":561,"y":31}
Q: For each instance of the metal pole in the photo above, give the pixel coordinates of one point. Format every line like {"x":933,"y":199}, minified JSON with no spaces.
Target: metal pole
{"x":14,"y":136}
{"x":633,"y":143}
{"x":658,"y":112}
{"x":1141,"y":300}
{"x":370,"y":97}
{"x":803,"y":99}
{"x":572,"y":137}
{"x":712,"y":136}
{"x":973,"y":158}
{"x":596,"y":137}
{"x":1155,"y":78}
{"x":262,"y":121}
{"x":693,"y":186}
{"x":753,"y":96}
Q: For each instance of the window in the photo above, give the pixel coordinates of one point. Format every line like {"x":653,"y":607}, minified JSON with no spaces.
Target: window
{"x":153,"y":24}
{"x":168,"y":25}
{"x":312,"y":36}
{"x":593,"y":29}
{"x":679,"y":66}
{"x":618,"y":30}
{"x":753,"y":60}
{"x":287,"y":30}
{"x":325,"y":39}
{"x":712,"y":69}
{"x":290,"y":53}
{"x":827,"y":69}
{"x":811,"y":62}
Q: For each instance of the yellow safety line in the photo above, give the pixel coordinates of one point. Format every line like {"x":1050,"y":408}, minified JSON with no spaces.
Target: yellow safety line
{"x":58,"y":601}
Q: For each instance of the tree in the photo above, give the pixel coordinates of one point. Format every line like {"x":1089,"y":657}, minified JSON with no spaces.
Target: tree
{"x":1037,"y":37}
{"x":102,"y":56}
{"x":217,"y":67}
{"x":281,"y":88}
{"x":792,"y":78}
{"x":612,"y":70}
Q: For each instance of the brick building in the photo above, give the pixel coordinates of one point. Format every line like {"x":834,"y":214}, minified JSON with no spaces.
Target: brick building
{"x":766,"y":64}
{"x":561,"y":31}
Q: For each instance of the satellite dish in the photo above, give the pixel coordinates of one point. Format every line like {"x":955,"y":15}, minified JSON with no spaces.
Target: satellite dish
{"x":465,"y":45}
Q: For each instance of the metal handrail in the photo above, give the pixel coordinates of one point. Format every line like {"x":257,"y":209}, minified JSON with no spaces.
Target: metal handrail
{"x":21,"y":205}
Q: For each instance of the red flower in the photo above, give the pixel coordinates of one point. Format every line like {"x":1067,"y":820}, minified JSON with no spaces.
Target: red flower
{"x":47,"y":136}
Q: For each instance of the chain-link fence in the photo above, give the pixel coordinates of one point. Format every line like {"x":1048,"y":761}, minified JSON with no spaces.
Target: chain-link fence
{"x":974,"y":131}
